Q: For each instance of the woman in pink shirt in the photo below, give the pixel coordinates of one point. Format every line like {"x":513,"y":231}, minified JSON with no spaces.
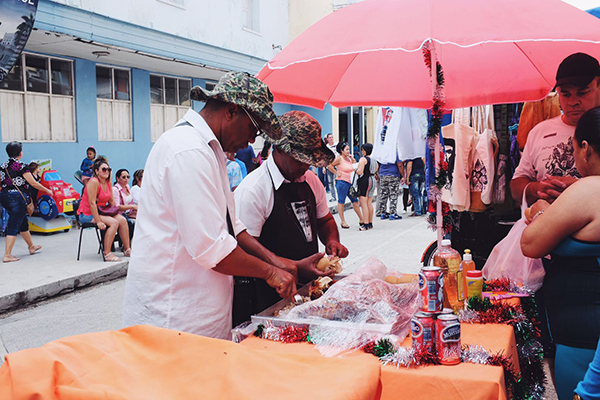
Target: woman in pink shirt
{"x":98,"y":193}
{"x":342,"y":168}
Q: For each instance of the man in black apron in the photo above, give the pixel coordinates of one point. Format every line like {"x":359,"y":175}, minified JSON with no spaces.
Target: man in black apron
{"x":284,"y":205}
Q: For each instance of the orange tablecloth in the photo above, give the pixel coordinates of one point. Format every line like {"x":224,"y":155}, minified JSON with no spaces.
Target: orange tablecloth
{"x":144,"y":362}
{"x":463,"y":381}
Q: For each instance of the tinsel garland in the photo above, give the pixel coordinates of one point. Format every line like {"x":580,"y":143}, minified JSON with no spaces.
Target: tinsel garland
{"x":437,"y":112}
{"x":447,"y":222}
{"x":529,"y":384}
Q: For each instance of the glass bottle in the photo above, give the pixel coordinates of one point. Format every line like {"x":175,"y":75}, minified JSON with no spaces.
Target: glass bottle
{"x":449,"y":260}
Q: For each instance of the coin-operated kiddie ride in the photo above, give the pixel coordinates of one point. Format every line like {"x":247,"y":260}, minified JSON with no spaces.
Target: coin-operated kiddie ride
{"x":50,"y":210}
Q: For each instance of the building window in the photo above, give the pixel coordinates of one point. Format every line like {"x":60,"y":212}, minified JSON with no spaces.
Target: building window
{"x":170,"y":100}
{"x":251,"y":15}
{"x":36,"y":100}
{"x":113,"y":97}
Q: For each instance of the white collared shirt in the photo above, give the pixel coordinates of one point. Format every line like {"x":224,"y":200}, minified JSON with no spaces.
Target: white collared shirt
{"x":255,"y":196}
{"x":181,"y":234}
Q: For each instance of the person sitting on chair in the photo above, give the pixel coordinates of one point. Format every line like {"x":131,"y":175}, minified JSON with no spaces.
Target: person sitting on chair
{"x":98,"y":193}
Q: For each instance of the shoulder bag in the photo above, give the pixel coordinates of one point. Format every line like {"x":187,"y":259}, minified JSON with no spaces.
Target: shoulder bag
{"x":29,"y":205}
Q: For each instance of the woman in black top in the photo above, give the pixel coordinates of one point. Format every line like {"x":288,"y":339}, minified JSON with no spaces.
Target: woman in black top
{"x":15,"y":179}
{"x":366,"y":185}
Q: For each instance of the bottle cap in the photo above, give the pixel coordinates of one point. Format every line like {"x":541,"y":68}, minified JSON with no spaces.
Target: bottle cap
{"x":474,"y":274}
{"x":446,"y":242}
{"x":467,"y":256}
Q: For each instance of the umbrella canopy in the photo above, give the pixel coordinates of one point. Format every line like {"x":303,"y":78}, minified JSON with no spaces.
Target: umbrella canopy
{"x":493,"y":51}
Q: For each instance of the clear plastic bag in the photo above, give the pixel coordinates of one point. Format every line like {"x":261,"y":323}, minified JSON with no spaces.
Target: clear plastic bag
{"x":359,"y":308}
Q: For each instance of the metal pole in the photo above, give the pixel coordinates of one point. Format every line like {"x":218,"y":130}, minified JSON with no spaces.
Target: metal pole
{"x":438,"y":201}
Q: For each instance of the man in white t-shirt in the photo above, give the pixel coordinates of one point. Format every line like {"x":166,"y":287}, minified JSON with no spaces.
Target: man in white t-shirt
{"x":284,"y":206}
{"x":547,"y":166}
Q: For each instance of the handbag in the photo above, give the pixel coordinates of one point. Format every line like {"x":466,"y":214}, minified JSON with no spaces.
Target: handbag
{"x":109,"y":211}
{"x":29,"y":207}
{"x":507,"y":260}
{"x":353,"y":191}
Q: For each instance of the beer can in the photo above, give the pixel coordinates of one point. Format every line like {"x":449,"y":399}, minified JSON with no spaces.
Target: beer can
{"x":423,"y":331}
{"x":431,"y":283}
{"x":447,"y":339}
{"x":447,"y":311}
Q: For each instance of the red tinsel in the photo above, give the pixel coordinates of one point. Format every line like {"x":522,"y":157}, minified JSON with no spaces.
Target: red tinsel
{"x":293,"y":334}
{"x":498,"y":285}
{"x":369,"y":348}
{"x":424,"y":357}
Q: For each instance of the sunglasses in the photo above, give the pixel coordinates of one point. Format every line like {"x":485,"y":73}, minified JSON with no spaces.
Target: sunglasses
{"x":256,"y":125}
{"x":125,"y":177}
{"x":104,"y":169}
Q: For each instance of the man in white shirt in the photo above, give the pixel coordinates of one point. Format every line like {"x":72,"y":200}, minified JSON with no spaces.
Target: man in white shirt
{"x":188,"y":241}
{"x":284,"y":206}
{"x":547,"y":166}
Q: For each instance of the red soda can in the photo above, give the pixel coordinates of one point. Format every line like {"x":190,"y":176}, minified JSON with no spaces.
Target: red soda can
{"x":431,"y":284}
{"x":447,"y":311}
{"x":447,"y":339}
{"x":423,"y":331}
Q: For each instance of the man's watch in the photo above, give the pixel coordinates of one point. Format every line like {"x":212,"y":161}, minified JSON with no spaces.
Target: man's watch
{"x":576,"y":397}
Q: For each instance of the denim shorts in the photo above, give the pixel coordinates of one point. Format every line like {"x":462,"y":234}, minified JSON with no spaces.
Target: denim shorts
{"x":342,"y":189}
{"x":16,"y":207}
{"x":85,"y":219}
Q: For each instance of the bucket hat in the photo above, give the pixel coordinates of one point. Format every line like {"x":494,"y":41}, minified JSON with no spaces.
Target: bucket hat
{"x":244,"y":90}
{"x":302,"y":139}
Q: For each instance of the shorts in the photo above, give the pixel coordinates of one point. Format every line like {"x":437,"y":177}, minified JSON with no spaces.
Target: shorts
{"x":16,"y":207}
{"x":342,"y":190}
{"x":366,"y":186}
{"x":86,"y":219}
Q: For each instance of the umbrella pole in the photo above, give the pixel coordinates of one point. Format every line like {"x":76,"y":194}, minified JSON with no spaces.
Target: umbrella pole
{"x":438,"y":201}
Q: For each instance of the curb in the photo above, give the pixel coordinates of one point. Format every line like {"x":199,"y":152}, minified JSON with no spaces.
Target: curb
{"x":26,"y":297}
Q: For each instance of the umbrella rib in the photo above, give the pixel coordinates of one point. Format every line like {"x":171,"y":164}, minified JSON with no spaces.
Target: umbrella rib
{"x":532,"y":63}
{"x":340,"y":80}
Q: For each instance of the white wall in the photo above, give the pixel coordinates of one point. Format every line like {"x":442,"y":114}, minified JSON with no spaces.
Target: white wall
{"x":215,"y":22}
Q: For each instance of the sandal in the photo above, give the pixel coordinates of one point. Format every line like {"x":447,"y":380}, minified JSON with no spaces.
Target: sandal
{"x":34,"y":248}
{"x":363,"y":227}
{"x":111,"y":257}
{"x":127,"y":253}
{"x":8,"y":259}
{"x":345,"y":225}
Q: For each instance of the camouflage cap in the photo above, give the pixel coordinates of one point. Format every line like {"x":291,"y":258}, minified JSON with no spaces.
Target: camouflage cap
{"x":302,"y":139}
{"x":246,"y":91}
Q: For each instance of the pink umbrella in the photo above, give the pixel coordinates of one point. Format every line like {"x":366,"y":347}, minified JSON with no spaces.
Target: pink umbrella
{"x":492,"y":51}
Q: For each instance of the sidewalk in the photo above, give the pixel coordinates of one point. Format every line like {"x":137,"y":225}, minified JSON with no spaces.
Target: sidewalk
{"x":54,"y":270}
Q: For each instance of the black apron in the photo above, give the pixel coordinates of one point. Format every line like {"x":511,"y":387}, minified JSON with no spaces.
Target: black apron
{"x":290,"y":232}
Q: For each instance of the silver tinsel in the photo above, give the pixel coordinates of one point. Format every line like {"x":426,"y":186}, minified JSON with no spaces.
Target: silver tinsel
{"x":401,"y":357}
{"x":467,"y":315}
{"x":475,"y":354}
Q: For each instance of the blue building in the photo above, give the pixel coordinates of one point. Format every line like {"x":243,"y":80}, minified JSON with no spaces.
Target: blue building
{"x":115,"y":74}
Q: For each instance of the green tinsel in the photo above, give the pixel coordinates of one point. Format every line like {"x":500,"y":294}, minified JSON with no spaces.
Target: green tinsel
{"x":384,"y":347}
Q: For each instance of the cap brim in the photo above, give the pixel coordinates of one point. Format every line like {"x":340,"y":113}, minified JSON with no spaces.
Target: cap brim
{"x":270,"y":123}
{"x":579,"y":81}
{"x":199,"y":94}
{"x":320,"y":157}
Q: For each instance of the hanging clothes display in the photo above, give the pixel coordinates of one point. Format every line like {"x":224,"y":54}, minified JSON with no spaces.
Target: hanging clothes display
{"x":484,"y":160}
{"x":535,"y":112}
{"x":401,"y":132}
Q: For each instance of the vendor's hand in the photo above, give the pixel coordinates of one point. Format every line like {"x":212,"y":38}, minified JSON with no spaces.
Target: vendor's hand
{"x":551,"y":187}
{"x":335,"y":248}
{"x":307,"y":267}
{"x":283,"y":282}
{"x":101,"y":225}
{"x":288,"y":266}
{"x":402,"y":181}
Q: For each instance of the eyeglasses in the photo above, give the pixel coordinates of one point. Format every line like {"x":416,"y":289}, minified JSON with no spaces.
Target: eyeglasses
{"x":256,"y":125}
{"x":104,"y":169}
{"x":125,"y":177}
